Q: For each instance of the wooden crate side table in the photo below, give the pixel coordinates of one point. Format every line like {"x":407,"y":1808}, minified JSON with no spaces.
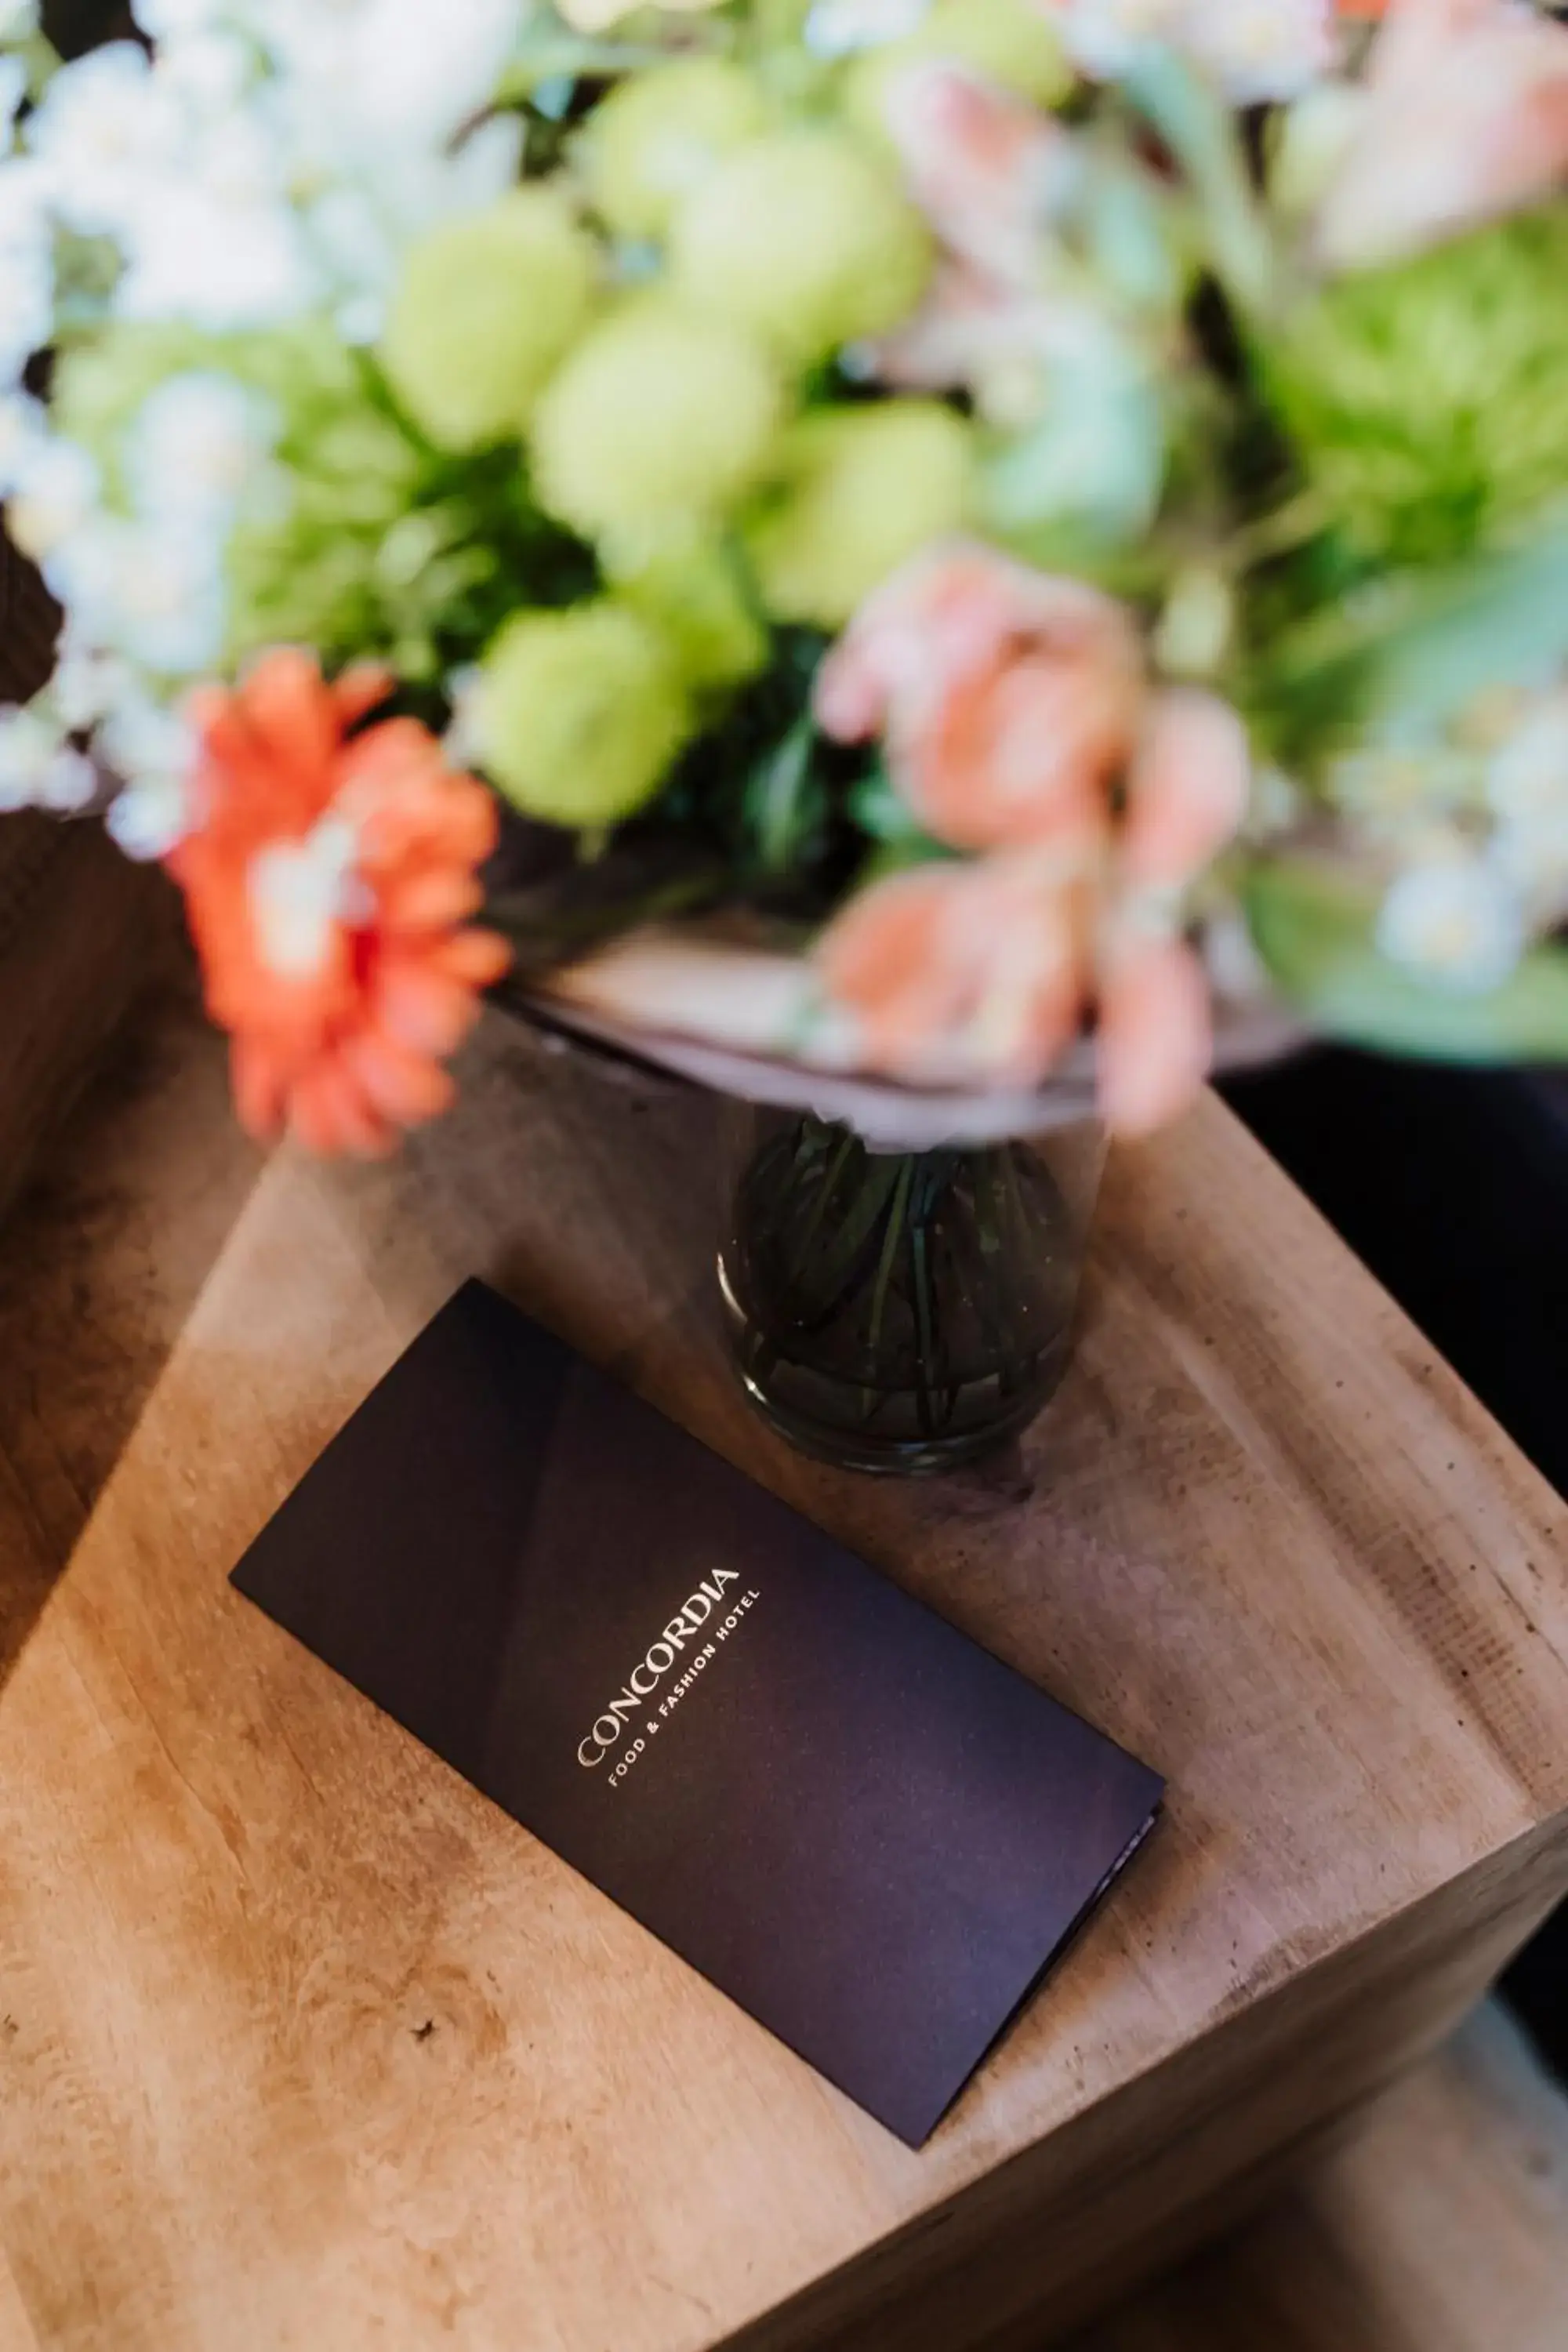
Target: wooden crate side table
{"x":78,"y":922}
{"x":305,"y":2045}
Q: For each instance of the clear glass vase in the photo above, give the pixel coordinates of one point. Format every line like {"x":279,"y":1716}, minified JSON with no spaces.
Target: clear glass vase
{"x":897,"y":1311}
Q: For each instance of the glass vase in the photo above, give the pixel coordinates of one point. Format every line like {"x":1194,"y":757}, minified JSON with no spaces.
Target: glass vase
{"x":902,"y":1311}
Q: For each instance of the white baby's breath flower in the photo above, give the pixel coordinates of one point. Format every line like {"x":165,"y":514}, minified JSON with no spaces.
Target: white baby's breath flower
{"x":1260,"y":51}
{"x":23,"y":428}
{"x":13,"y":88}
{"x":1526,"y":778}
{"x":70,"y":782}
{"x":86,"y":684}
{"x":193,"y":443}
{"x":380,"y":78}
{"x":26,"y":305}
{"x":154,"y":751}
{"x":836,"y":28}
{"x":151,"y":591}
{"x":146,"y":820}
{"x":1527,"y":791}
{"x":56,"y":494}
{"x":167,"y":21}
{"x":141,"y":738}
{"x":1456,"y":922}
{"x":207,"y":72}
{"x":359,"y":226}
{"x":25,"y":227}
{"x":86,"y":571}
{"x":171,"y":598}
{"x":222,"y":265}
{"x":1254,"y":49}
{"x":29,"y":741}
{"x":1106,"y":38}
{"x":39,"y":768}
{"x":105,"y":132}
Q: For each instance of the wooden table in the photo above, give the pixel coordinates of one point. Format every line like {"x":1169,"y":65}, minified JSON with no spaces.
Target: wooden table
{"x":301,"y":2044}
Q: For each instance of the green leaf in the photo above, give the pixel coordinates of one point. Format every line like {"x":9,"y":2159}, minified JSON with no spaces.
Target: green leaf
{"x":1420,"y":644}
{"x":783,"y":798}
{"x":876,"y":807}
{"x":1202,"y":133}
{"x":1314,"y":925}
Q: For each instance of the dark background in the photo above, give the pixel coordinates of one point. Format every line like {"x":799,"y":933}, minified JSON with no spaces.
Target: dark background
{"x":1452,"y":1185}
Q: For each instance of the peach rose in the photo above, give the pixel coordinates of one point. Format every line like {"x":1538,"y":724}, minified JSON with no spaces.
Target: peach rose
{"x":989,"y":967}
{"x":1186,"y":794}
{"x":1464,"y":118}
{"x":975,"y":966}
{"x":989,"y":172}
{"x":1009,"y":700}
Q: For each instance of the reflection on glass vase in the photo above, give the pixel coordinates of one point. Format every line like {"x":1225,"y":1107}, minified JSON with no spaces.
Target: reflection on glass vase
{"x":902,"y":1311}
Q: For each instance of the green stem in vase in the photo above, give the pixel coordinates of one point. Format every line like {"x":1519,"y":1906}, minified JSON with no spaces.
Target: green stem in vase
{"x":871,"y":1397}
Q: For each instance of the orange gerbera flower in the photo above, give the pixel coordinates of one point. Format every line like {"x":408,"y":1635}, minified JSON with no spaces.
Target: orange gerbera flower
{"x":327,"y":885}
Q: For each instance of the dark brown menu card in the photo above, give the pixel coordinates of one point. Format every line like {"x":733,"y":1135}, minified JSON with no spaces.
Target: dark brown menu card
{"x":862,"y":1827}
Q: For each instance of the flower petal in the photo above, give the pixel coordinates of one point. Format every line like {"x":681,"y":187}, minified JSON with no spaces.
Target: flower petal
{"x":358,"y":689}
{"x":1188,"y":790}
{"x":329,"y":1113}
{"x":421,"y":1007}
{"x":259,"y":1085}
{"x":406,"y":1087}
{"x":1155,"y":1039}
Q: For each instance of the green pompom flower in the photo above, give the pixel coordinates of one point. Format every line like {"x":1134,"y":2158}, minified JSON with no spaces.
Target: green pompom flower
{"x":806,"y":238}
{"x":580,"y":713}
{"x":695,"y":595}
{"x":486,"y":307}
{"x":659,"y":421}
{"x":1430,"y":399}
{"x":659,"y":134}
{"x":1010,"y":42}
{"x":855,"y":492}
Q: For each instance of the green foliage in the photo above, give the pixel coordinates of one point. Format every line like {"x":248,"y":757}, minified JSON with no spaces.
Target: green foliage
{"x":1313,"y":924}
{"x":1205,"y":137}
{"x":783,"y":798}
{"x":356,"y":536}
{"x":100,"y":385}
{"x":1420,"y":646}
{"x":1430,"y":398}
{"x":1089,"y":474}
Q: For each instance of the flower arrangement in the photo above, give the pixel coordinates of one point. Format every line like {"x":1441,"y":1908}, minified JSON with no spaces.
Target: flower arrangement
{"x":888,"y":536}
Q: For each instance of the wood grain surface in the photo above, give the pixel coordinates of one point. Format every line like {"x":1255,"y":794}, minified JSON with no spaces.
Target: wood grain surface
{"x":1441,"y":2225}
{"x":80,"y":928}
{"x":302,"y":2044}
